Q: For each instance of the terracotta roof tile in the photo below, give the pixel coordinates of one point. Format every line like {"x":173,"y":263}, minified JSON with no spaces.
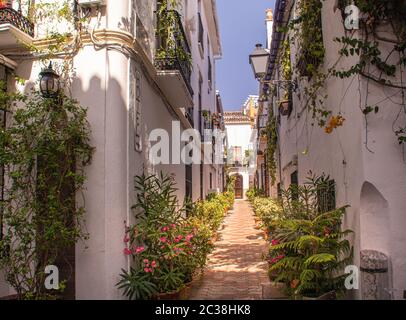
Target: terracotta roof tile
{"x":234,"y":117}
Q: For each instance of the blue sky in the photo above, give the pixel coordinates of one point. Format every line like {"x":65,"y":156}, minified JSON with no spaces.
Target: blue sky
{"x":242,"y":25}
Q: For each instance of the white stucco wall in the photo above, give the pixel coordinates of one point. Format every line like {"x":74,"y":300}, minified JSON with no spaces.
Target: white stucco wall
{"x":371,"y":180}
{"x":101,"y":83}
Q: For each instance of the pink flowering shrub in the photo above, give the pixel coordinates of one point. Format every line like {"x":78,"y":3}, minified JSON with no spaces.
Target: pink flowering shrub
{"x":166,"y":248}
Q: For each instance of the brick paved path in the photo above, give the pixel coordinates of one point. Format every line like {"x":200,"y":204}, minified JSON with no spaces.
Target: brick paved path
{"x":236,"y":269}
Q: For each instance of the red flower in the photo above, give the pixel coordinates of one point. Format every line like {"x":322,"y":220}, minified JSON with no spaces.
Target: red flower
{"x":127,"y":251}
{"x":139,"y":250}
{"x":274,"y":242}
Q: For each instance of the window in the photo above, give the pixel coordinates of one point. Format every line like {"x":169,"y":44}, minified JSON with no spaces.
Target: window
{"x":279,"y":190}
{"x":294,"y":182}
{"x":211,"y":181}
{"x":189,"y":181}
{"x":201,"y":29}
{"x":326,"y":196}
{"x":200,"y":104}
{"x":237,"y":156}
{"x":209,"y":73}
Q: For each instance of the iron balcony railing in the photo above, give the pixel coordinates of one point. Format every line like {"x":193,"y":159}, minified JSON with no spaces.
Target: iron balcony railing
{"x":262,"y":121}
{"x":178,"y":55}
{"x":15,"y":18}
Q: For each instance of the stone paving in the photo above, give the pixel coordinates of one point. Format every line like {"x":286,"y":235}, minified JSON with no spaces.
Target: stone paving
{"x":236,"y":269}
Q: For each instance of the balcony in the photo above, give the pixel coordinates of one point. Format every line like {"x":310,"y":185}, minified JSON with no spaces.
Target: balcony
{"x":173,"y":60}
{"x":262,"y":121}
{"x":16,"y":31}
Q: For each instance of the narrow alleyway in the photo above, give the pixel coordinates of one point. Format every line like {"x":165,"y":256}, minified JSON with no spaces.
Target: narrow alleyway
{"x":236,"y":269}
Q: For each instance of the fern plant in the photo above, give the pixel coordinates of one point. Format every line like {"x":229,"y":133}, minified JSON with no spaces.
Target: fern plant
{"x":314,"y":253}
{"x":310,"y":249}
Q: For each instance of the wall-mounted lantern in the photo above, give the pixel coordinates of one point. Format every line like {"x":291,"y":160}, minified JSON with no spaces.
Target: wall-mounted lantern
{"x":49,"y":82}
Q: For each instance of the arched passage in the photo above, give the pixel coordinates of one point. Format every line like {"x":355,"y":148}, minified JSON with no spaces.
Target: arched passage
{"x":374,"y":219}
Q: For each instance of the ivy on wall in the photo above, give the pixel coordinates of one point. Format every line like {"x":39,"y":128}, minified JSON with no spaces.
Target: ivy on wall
{"x":381,"y":55}
{"x":43,"y":151}
{"x":384,"y":69}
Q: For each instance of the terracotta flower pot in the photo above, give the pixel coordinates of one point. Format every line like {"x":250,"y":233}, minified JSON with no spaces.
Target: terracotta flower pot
{"x":181,"y":294}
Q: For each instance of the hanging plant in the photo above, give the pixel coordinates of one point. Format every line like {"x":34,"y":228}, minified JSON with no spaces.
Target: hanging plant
{"x":172,"y":42}
{"x":272,"y":142}
{"x":43,"y":152}
{"x":382,"y":67}
{"x":309,"y":32}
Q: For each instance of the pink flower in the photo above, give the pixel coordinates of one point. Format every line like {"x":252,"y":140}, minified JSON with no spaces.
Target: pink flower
{"x":153,"y":264}
{"x":146,"y":270}
{"x":189,"y":237}
{"x":173,"y":226}
{"x":164,"y":229}
{"x":127,"y":251}
{"x":163,"y":239}
{"x":139,"y":250}
{"x":274,"y":242}
{"x":126,"y":239}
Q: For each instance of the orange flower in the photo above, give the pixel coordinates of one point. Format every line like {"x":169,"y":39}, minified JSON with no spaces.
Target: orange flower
{"x":294,"y":283}
{"x":334,"y":123}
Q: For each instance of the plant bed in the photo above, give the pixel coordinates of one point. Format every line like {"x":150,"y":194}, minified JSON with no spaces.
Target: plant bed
{"x":326,"y":296}
{"x":181,"y":294}
{"x":10,"y":297}
{"x":274,"y":291}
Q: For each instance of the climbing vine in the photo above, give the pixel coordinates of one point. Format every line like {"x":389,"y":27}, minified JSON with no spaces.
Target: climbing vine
{"x":381,"y":58}
{"x":172,"y":39}
{"x":43,"y":151}
{"x":309,"y":33}
{"x":271,"y":147}
{"x":373,"y":63}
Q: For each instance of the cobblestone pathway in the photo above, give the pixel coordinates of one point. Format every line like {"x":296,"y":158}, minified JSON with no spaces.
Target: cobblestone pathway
{"x":236,"y":269}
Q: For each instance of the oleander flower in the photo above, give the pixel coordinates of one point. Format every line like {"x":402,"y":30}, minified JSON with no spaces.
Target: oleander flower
{"x":139,"y":249}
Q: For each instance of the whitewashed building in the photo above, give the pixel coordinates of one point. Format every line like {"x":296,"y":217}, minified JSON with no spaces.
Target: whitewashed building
{"x":362,"y":155}
{"x":129,"y":92}
{"x":241,"y":139}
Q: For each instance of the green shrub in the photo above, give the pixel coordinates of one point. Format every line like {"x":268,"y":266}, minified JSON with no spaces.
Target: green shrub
{"x":308,"y":248}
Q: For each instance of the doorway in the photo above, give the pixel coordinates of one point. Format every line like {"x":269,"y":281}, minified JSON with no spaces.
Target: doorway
{"x":239,"y":187}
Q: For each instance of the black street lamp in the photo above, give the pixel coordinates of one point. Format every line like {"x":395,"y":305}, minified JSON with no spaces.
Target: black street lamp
{"x":49,"y":82}
{"x":259,"y":61}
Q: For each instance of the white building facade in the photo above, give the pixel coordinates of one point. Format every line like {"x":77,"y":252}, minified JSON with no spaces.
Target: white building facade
{"x":129,"y":92}
{"x":241,"y":140}
{"x":362,"y":155}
